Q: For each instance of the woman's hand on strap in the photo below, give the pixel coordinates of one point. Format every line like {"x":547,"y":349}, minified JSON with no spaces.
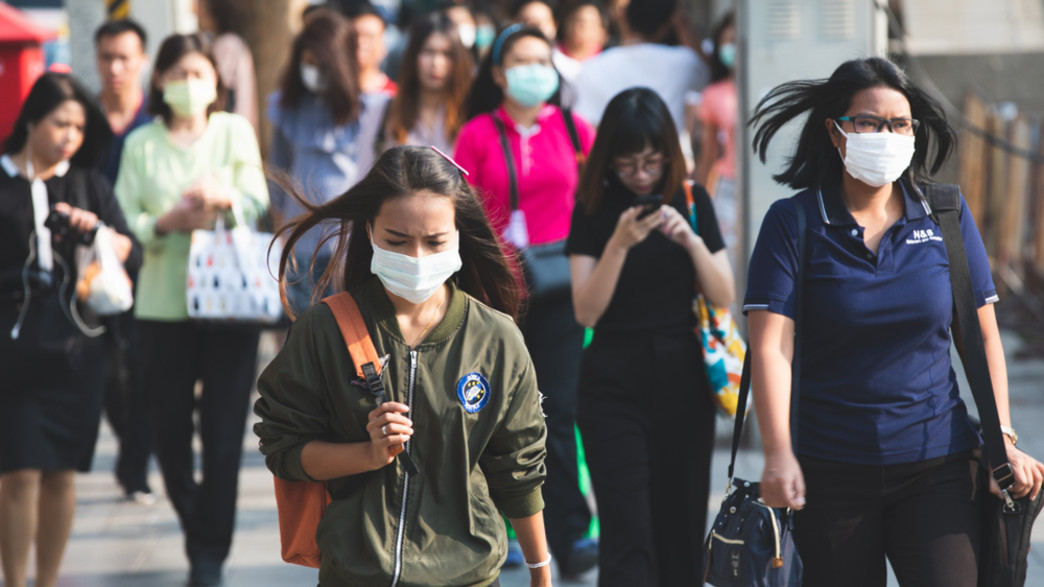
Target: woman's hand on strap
{"x":389,"y":429}
{"x":1029,"y":474}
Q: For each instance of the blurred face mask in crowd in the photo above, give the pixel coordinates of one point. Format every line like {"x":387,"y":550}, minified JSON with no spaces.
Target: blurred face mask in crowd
{"x":415,"y":279}
{"x":485,"y":34}
{"x":876,"y":158}
{"x":467,"y":34}
{"x":313,"y":79}
{"x":531,"y":84}
{"x":189,"y":97}
{"x":727,"y":55}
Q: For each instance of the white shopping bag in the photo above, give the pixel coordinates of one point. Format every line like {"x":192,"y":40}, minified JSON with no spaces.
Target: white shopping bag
{"x":232,"y":276}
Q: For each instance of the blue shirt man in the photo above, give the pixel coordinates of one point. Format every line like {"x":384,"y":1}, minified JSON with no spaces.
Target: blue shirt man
{"x":120,"y":58}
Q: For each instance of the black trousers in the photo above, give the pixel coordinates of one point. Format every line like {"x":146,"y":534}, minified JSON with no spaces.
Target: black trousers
{"x":555,"y":342}
{"x":648,"y":425}
{"x":924,"y":517}
{"x":176,"y":355}
{"x":127,"y":406}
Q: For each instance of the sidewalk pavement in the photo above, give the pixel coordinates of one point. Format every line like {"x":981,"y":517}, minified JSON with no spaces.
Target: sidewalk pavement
{"x":121,"y":544}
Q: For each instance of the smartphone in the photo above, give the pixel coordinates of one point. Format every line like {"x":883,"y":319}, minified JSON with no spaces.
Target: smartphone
{"x":649,"y":204}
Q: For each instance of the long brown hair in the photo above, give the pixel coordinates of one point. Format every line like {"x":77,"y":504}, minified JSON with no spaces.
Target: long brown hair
{"x":329,"y":37}
{"x":635,"y":119}
{"x":405,"y":108}
{"x":402,"y":171}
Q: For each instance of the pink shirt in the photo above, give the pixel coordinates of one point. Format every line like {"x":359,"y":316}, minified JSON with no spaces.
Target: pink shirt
{"x":544,"y":161}
{"x":719,"y":106}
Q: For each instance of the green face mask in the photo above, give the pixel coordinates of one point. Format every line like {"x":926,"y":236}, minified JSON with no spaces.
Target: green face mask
{"x":189,"y":97}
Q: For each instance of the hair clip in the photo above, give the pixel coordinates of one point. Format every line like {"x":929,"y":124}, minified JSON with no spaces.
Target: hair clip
{"x":450,"y":159}
{"x":498,"y":45}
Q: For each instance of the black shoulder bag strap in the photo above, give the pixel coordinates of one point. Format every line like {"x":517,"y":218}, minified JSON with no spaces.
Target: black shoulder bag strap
{"x":945,"y":202}
{"x":509,"y":159}
{"x":574,"y":137}
{"x":795,"y":366}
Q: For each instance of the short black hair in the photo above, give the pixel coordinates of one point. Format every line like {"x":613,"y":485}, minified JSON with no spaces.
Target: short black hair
{"x":355,"y":9}
{"x":118,"y":27}
{"x":815,"y":162}
{"x":48,"y":93}
{"x":648,"y":18}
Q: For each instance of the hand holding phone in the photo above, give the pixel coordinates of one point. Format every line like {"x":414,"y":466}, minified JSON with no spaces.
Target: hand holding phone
{"x":649,"y":203}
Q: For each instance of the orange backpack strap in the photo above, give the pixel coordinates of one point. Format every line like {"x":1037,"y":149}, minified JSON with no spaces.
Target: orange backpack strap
{"x":364,"y":355}
{"x":356,"y":335}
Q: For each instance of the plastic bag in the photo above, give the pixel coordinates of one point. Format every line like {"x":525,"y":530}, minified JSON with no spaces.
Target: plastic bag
{"x":102,"y":283}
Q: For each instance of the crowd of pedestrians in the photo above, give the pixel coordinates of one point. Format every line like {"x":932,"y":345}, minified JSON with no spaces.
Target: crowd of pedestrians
{"x":508,"y":197}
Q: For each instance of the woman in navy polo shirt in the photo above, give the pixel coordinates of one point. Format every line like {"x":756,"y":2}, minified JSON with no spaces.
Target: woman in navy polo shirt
{"x":885,"y":457}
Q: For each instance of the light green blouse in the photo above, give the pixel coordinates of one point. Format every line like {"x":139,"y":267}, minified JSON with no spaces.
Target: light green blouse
{"x":153,"y":174}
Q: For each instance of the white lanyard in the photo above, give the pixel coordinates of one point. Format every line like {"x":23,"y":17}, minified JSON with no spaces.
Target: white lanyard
{"x":41,"y":209}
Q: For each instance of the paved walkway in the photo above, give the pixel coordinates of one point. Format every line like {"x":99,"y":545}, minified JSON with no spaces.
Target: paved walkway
{"x":119,"y":544}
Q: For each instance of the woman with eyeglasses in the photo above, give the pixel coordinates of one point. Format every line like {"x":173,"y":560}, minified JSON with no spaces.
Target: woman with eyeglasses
{"x":644,"y":407}
{"x":885,"y":465}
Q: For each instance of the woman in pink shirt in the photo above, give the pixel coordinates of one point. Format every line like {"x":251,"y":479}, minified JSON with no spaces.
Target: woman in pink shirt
{"x":529,"y":200}
{"x":718,"y":112}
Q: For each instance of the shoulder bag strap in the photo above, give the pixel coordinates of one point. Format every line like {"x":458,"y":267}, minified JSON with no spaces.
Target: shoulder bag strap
{"x":509,"y":159}
{"x":574,"y":137}
{"x":945,"y":201}
{"x":795,"y":368}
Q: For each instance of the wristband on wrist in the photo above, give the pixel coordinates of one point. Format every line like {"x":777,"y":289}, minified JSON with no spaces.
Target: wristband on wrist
{"x":540,"y":564}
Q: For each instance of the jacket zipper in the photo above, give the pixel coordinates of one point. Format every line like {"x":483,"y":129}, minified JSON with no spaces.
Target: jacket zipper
{"x":405,"y":476}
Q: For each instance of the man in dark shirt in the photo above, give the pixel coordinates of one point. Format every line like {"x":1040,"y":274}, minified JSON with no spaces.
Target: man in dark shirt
{"x":120,"y":56}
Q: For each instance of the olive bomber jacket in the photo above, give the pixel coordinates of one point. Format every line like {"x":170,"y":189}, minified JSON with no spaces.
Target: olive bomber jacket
{"x":478,"y":440}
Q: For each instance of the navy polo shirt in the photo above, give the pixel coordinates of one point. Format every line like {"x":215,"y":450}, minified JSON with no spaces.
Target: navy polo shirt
{"x":877,"y":384}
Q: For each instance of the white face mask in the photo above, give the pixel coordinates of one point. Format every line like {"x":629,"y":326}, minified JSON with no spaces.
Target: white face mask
{"x":313,"y":79}
{"x":877,"y":158}
{"x":414,"y":279}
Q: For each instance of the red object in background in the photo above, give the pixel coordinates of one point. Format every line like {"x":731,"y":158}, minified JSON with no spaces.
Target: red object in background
{"x":21,"y":62}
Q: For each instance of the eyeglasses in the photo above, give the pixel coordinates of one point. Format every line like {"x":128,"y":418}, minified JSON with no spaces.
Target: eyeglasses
{"x":867,"y":123}
{"x":629,"y":168}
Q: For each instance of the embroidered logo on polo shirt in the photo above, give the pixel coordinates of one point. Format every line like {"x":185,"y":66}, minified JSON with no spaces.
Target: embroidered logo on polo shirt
{"x":473,"y":391}
{"x":922,"y":236}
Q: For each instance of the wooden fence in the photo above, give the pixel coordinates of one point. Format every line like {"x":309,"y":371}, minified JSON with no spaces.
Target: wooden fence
{"x":1001,"y":173}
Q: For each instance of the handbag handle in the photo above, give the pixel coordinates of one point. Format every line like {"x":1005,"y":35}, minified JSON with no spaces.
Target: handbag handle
{"x":945,"y":202}
{"x":795,"y":364}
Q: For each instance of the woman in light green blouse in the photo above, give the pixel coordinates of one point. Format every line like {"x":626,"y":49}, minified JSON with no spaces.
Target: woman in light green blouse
{"x":178,"y":174}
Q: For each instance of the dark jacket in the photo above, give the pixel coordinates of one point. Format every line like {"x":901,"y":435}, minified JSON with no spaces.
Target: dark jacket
{"x":478,"y":441}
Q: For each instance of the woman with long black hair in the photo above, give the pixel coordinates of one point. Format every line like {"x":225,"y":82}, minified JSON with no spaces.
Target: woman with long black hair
{"x":885,"y":465}
{"x":644,"y":407}
{"x":416,"y":252}
{"x":52,"y":362}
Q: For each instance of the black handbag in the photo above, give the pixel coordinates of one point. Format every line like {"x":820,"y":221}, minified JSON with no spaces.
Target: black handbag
{"x":545,"y":267}
{"x":1007,"y":523}
{"x":751,"y":544}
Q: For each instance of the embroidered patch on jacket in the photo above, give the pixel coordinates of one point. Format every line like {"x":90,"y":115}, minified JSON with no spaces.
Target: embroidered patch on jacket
{"x":473,"y":391}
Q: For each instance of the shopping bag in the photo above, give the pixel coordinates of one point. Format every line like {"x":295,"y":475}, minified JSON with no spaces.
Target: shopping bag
{"x":232,"y":274}
{"x":723,"y":352}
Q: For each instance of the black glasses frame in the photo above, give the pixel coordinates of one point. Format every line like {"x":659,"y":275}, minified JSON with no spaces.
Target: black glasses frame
{"x":882,"y":122}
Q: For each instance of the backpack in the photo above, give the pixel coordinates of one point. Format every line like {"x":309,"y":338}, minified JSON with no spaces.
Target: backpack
{"x":301,"y":504}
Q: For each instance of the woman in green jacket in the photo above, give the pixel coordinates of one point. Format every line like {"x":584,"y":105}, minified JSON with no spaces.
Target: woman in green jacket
{"x":438,"y":297}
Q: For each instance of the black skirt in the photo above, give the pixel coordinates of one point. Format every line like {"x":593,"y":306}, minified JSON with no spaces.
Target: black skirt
{"x":51,"y":389}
